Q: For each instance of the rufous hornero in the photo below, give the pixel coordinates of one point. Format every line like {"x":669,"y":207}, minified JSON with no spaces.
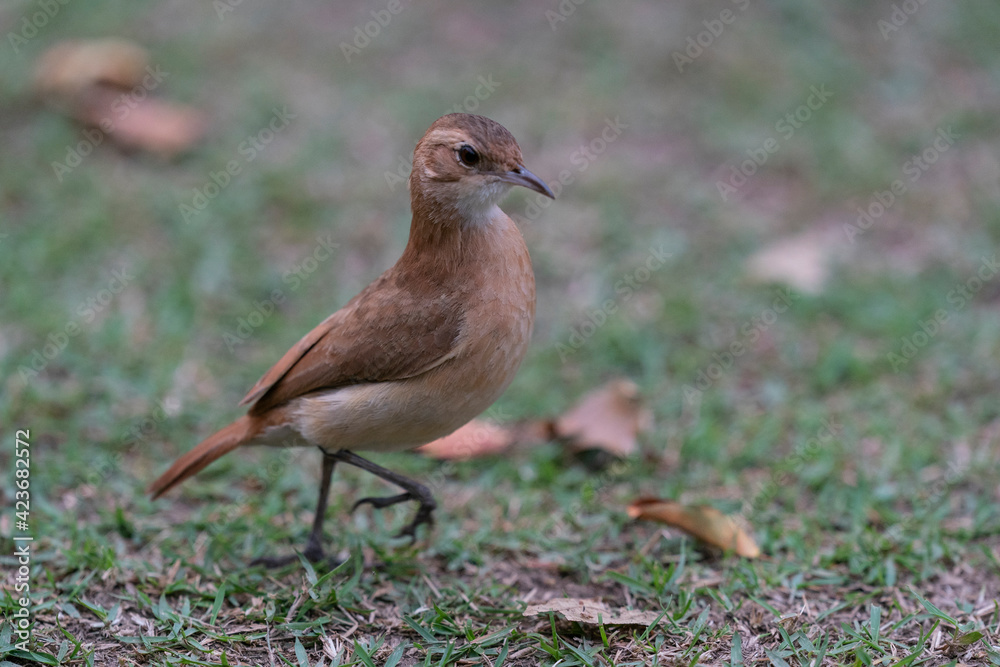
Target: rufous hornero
{"x":426,"y":347}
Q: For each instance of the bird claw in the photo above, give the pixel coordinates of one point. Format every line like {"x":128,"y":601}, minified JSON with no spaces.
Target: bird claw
{"x":382,"y":501}
{"x":424,"y":515}
{"x":274,"y":562}
{"x":313,"y":556}
{"x":409,"y":530}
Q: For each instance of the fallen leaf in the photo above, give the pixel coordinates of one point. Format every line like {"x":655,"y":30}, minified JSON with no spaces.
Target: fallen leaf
{"x":802,"y":262}
{"x":592,"y":611}
{"x":108,"y":84}
{"x":72,"y":66}
{"x":703,"y":522}
{"x":477,"y":438}
{"x":154,"y":125}
{"x":608,"y":418}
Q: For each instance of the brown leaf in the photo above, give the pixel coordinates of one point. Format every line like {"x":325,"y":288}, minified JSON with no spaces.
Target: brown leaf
{"x":153,"y":125}
{"x":703,"y":522}
{"x":608,"y":418}
{"x":108,"y":85}
{"x":477,"y":438}
{"x":802,"y":261}
{"x":592,"y":611}
{"x":73,"y":66}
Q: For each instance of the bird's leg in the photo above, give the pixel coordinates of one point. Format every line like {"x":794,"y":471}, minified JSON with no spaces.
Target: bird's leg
{"x":314,"y":546}
{"x":414,"y":491}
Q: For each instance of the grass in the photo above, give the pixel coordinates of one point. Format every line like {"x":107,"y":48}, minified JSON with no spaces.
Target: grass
{"x":863,"y":454}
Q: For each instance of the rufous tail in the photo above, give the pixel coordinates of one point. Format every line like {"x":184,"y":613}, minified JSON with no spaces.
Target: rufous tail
{"x":221,"y":442}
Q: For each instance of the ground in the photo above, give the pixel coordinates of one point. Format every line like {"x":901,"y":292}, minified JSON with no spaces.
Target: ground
{"x":780,"y":220}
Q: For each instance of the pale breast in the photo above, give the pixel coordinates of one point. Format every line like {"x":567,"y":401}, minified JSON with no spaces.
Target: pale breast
{"x":498,"y":287}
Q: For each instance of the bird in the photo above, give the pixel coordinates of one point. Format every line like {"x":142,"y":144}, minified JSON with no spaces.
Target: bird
{"x":428,"y":345}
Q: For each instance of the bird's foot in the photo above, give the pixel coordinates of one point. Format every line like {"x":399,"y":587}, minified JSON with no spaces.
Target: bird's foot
{"x":414,"y":491}
{"x":423,"y":515}
{"x":313,"y":553}
{"x":383,"y":502}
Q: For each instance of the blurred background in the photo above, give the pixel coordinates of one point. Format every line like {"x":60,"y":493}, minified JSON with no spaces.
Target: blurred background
{"x":775,"y":217}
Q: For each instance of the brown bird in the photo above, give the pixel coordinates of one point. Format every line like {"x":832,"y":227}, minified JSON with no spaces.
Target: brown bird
{"x":430,"y":344}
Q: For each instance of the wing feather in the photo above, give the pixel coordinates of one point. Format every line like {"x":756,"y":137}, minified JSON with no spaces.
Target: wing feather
{"x":387,"y":332}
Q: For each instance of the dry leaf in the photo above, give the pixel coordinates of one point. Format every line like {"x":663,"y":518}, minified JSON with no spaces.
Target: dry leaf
{"x":592,"y":611}
{"x":69,"y":67}
{"x":703,"y":522}
{"x":109,"y":85}
{"x":609,"y":418}
{"x":477,"y":438}
{"x":802,"y":262}
{"x":156,"y":126}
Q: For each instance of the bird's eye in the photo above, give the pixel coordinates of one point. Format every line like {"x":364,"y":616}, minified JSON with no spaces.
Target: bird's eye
{"x":468,"y":156}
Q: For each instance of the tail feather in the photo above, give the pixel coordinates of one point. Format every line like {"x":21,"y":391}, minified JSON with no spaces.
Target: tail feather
{"x":221,"y":442}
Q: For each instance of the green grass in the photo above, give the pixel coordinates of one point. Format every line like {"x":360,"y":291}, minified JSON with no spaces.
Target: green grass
{"x":881,"y":539}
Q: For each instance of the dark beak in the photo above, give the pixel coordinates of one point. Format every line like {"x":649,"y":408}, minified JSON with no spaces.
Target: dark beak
{"x":521,"y":176}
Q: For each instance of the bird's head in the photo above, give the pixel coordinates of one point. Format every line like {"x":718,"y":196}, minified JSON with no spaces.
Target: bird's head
{"x":465,"y":164}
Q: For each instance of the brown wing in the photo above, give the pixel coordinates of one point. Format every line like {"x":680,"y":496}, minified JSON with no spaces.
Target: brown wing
{"x":386,"y":332}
